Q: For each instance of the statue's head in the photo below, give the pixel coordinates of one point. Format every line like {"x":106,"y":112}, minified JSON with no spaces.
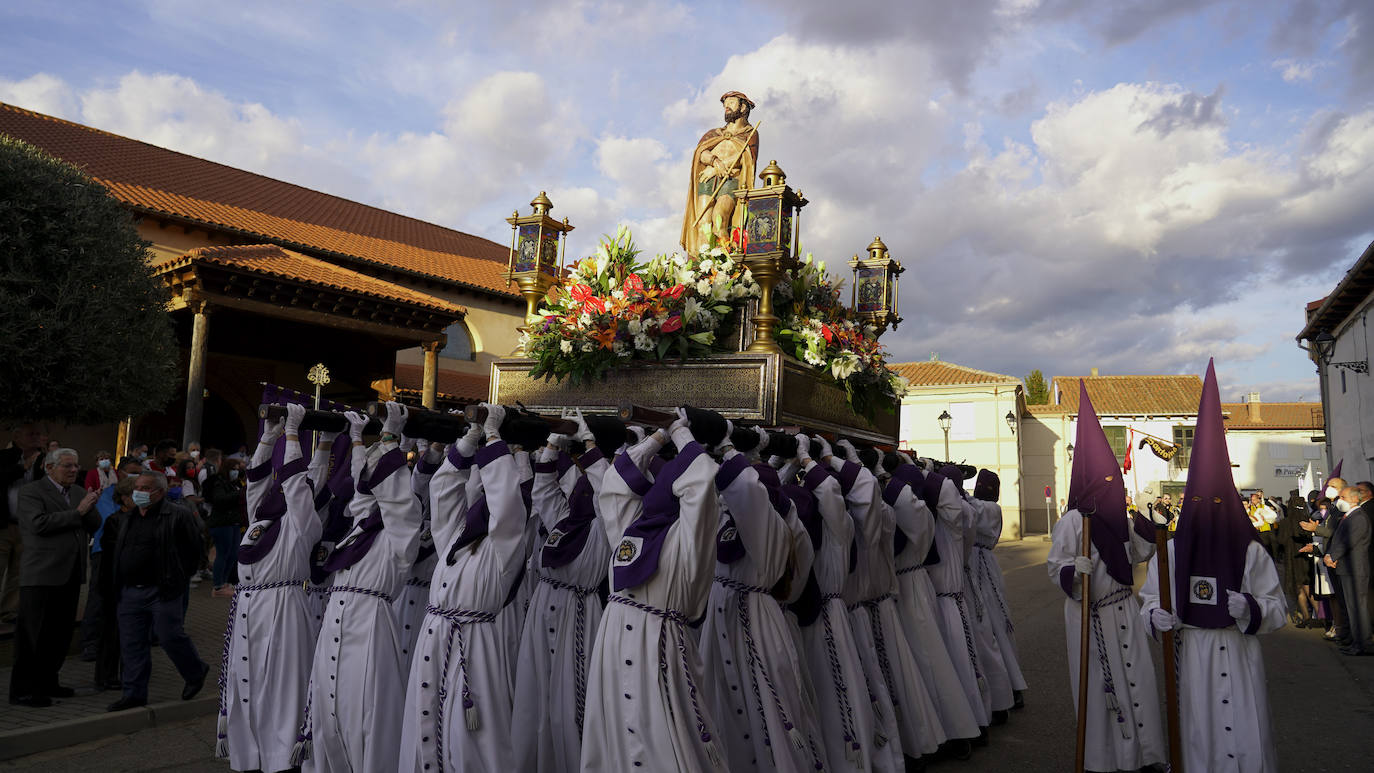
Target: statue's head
{"x":736,"y":105}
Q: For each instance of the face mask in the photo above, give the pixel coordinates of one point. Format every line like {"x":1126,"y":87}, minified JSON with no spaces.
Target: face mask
{"x":104,"y":464}
{"x":195,"y":454}
{"x":1331,"y":493}
{"x":142,"y":457}
{"x":233,"y":475}
{"x":1343,"y":505}
{"x":141,"y":498}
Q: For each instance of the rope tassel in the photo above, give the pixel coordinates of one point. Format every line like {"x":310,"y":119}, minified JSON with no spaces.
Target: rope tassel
{"x":222,"y":737}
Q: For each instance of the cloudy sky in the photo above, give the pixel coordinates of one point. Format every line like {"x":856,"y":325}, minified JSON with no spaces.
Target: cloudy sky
{"x":1134,"y":185}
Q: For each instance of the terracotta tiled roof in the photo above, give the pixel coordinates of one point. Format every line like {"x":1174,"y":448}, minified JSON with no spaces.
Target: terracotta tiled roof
{"x":1040,"y":410}
{"x":158,"y":181}
{"x":1133,"y":395}
{"x":1347,"y":297}
{"x":1306,"y":416}
{"x":936,"y":373}
{"x":455,"y":386}
{"x":271,"y":260}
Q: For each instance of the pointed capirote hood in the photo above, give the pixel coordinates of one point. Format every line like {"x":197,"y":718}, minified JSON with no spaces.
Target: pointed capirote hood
{"x":1097,"y":490}
{"x":1214,"y":531}
{"x":1335,"y":473}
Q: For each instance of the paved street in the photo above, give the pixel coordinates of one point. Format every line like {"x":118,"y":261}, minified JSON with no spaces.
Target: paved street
{"x":1310,"y":686}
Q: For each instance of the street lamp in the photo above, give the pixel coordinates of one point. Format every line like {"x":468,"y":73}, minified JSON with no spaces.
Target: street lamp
{"x":1011,"y":421}
{"x":945,"y":421}
{"x":1070,"y":450}
{"x":1326,"y":345}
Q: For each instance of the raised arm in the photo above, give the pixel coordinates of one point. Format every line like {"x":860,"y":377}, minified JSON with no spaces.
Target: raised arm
{"x":447,"y":489}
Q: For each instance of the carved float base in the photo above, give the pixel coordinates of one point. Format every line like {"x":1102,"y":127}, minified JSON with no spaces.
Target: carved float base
{"x":769,"y":388}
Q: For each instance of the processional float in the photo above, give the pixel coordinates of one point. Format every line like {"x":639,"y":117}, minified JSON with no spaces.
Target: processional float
{"x":739,"y":324}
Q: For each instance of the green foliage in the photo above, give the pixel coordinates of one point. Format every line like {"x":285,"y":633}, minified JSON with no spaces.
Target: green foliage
{"x":1037,"y":391}
{"x":87,"y":338}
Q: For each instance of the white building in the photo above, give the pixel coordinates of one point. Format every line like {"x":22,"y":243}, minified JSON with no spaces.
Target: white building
{"x":984,"y":411}
{"x":1337,"y":337}
{"x":1272,"y":445}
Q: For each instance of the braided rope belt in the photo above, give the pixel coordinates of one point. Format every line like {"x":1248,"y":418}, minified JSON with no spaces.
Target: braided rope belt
{"x":580,"y":594}
{"x":679,"y":634}
{"x":416,"y":582}
{"x":1108,"y":685}
{"x":880,"y":646}
{"x":222,"y":729}
{"x":853,"y":749}
{"x":985,"y":571}
{"x":973,"y":592}
{"x":909,"y":569}
{"x":958,"y":597}
{"x":456,"y":618}
{"x":755,"y":661}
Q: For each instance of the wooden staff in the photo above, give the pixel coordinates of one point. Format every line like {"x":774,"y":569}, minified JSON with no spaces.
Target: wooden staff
{"x":1081,"y":748}
{"x":434,"y":426}
{"x":645,"y":417}
{"x":316,"y":421}
{"x":752,"y":130}
{"x":1166,"y":602}
{"x":557,"y":424}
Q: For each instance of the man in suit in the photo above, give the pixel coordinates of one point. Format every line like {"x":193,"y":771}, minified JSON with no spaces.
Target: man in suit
{"x":1348,"y":557}
{"x":55,"y":519}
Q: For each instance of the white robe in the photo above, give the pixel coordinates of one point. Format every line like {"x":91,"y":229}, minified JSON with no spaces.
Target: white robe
{"x":955,"y":616}
{"x":990,"y":661}
{"x":987,"y":577}
{"x":754,"y":670}
{"x":357,"y":681}
{"x":837,"y":670}
{"x":873,"y":615}
{"x":1222,"y":696}
{"x":917,"y":611}
{"x":1134,"y":738}
{"x":546,"y":724}
{"x":410,"y":605}
{"x":645,"y":708}
{"x":272,"y":639}
{"x":458,"y":701}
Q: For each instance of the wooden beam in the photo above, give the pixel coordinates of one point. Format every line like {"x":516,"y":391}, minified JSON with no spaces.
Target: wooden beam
{"x":320,"y":320}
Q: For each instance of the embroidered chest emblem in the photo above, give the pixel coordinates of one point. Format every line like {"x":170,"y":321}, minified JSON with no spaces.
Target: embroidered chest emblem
{"x":426,"y":538}
{"x":556,"y":536}
{"x":628,"y":550}
{"x":256,"y":533}
{"x":1203,"y":590}
{"x":729,"y":534}
{"x":321,"y":553}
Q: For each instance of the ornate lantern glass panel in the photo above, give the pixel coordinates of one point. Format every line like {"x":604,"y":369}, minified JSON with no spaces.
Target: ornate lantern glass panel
{"x":535,"y":262}
{"x":875,"y":286}
{"x":771,"y":236}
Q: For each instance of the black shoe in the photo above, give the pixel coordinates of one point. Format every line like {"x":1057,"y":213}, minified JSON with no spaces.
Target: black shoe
{"x":32,"y":701}
{"x":913,"y":764}
{"x":957,"y":749}
{"x":1018,"y":698}
{"x":61,"y":692}
{"x":982,"y":739}
{"x":999,"y":717}
{"x":192,"y":687}
{"x":127,"y":703}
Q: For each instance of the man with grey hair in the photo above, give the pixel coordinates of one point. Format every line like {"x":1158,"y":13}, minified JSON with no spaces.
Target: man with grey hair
{"x":56,"y":518}
{"x":1348,"y":556}
{"x":157,"y":547}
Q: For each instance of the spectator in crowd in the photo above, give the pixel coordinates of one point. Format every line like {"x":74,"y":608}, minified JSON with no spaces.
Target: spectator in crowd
{"x":1348,"y":555}
{"x":21,"y":462}
{"x":102,"y":476}
{"x":94,"y":620}
{"x":53,"y":445}
{"x":157,"y":546}
{"x":55,"y":519}
{"x":107,"y":656}
{"x":1322,"y":533}
{"x":193,"y":452}
{"x":241,"y":454}
{"x":1295,"y":568}
{"x":164,"y":460}
{"x":1323,"y":590}
{"x":224,"y":493}
{"x":1263,"y":516}
{"x":139,"y":451}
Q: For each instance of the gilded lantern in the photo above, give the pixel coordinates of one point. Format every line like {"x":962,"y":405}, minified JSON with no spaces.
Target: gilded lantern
{"x":536,"y":255}
{"x":771,"y":239}
{"x":875,"y":286}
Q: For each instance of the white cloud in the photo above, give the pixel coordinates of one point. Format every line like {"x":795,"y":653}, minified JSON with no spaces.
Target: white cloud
{"x":1297,"y":70}
{"x":43,"y":93}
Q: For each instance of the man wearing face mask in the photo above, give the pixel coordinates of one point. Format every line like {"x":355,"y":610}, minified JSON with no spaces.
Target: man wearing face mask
{"x":157,"y":546}
{"x":1348,"y":556}
{"x":1325,"y":530}
{"x":225,"y":494}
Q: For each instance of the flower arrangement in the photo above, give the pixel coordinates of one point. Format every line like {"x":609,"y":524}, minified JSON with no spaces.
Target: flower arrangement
{"x":613,"y":308}
{"x":823,"y":333}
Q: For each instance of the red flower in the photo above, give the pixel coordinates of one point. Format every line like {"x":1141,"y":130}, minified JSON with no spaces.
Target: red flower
{"x":580,"y":293}
{"x":675,"y":291}
{"x":596,"y":303}
{"x":634,"y":283}
{"x":829,"y":335}
{"x":672,"y":324}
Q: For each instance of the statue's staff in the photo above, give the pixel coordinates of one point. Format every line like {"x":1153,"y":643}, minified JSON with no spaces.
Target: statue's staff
{"x":726,"y":175}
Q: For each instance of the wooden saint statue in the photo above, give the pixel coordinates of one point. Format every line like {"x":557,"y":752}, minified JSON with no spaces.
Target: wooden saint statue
{"x":724,"y":162}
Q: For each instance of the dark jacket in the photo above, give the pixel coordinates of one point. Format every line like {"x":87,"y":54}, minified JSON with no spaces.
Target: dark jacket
{"x":1349,"y":546}
{"x":226,"y":499}
{"x":179,"y":544}
{"x":11,"y":470}
{"x":54,"y":532}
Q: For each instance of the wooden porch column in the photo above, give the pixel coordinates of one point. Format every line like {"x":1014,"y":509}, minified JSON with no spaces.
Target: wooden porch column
{"x":429,"y":394}
{"x":195,"y":372}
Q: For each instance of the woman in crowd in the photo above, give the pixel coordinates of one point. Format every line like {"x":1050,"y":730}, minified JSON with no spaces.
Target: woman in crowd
{"x":224,"y":491}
